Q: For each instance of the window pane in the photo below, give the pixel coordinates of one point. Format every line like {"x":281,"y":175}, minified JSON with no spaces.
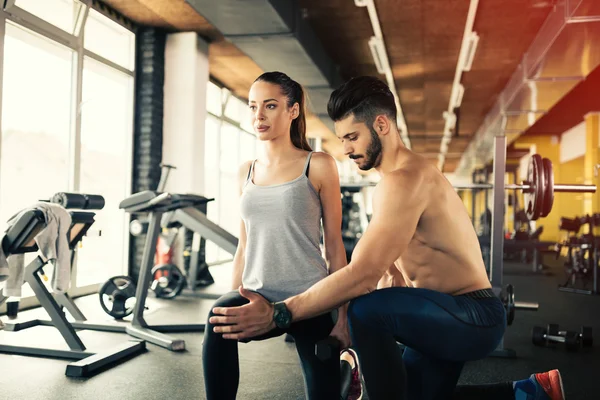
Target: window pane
{"x":213,"y":99}
{"x":35,"y":123}
{"x":229,"y":191}
{"x":246,"y":123}
{"x":229,"y":162}
{"x":106,"y":130}
{"x":61,"y":13}
{"x":109,"y":40}
{"x":211,"y":148}
{"x":211,"y":179}
{"x":235,"y":108}
{"x":35,"y":120}
{"x":229,"y":204}
{"x":247,"y":146}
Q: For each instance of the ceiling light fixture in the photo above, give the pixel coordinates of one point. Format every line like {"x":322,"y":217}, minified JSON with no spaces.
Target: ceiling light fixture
{"x":465,"y":61}
{"x":382,"y":63}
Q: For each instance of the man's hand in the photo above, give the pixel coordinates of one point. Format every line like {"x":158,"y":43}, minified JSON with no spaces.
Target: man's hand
{"x":247,"y":321}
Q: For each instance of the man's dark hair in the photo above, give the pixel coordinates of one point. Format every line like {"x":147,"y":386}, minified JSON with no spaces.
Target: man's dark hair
{"x":366,"y":97}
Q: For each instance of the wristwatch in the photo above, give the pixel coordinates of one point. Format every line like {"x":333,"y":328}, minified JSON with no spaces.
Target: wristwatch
{"x":281,"y":315}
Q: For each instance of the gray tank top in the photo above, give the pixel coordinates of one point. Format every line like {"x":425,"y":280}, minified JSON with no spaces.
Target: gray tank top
{"x":283,"y":228}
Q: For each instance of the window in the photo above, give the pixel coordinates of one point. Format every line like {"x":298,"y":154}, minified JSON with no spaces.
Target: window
{"x":109,"y":40}
{"x":229,"y":218}
{"x":247,"y":146}
{"x":105,"y":146}
{"x":44,"y":149}
{"x":35,"y":123}
{"x":211,"y":179}
{"x":229,"y":142}
{"x":214,"y":99}
{"x":234,"y":109}
{"x":246,"y":123}
{"x":36,"y":109}
{"x":60,"y":13}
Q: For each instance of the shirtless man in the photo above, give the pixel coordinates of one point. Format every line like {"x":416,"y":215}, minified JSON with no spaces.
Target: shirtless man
{"x":416,"y":277}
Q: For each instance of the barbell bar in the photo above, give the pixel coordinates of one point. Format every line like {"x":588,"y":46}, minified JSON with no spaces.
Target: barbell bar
{"x":538,"y":189}
{"x":558,"y":188}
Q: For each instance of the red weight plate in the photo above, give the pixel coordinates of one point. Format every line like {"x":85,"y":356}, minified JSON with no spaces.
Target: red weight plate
{"x":549,"y":188}
{"x":534,"y":196}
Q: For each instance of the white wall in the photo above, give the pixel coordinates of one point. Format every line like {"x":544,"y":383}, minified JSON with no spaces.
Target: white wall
{"x":572,"y":143}
{"x":186,"y":81}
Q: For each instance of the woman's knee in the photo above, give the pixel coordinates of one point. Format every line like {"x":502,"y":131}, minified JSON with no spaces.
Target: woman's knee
{"x":231,"y":299}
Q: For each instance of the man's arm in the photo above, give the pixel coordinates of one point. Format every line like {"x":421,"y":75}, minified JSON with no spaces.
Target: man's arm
{"x":392,"y":278}
{"x":398,"y":205}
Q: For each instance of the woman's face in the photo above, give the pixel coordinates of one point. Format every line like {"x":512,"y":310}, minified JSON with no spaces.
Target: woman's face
{"x":270,"y":116}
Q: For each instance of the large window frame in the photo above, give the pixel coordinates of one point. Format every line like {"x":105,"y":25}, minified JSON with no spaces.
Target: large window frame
{"x":75,"y":41}
{"x":225,"y":122}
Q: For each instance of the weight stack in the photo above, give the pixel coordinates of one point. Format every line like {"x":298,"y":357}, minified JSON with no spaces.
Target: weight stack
{"x":148,"y":123}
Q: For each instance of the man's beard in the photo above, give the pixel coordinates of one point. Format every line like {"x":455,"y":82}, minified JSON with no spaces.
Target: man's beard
{"x":373,"y":153}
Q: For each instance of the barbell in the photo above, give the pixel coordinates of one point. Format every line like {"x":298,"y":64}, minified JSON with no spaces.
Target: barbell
{"x":538,"y":189}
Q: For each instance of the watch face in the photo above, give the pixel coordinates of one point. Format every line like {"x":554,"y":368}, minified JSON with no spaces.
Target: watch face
{"x":282,"y":317}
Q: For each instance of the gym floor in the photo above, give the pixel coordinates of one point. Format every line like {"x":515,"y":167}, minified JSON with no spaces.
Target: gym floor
{"x":270,"y":370}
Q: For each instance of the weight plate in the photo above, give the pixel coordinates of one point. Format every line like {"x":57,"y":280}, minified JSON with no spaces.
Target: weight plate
{"x":509,"y":304}
{"x":548,"y":188}
{"x":587,"y":339}
{"x":537,"y":336}
{"x":117,"y":296}
{"x":534,"y":196}
{"x":168,"y":282}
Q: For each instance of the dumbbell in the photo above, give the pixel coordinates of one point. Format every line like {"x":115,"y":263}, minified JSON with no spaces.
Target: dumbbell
{"x":572,"y":340}
{"x":327,"y":348}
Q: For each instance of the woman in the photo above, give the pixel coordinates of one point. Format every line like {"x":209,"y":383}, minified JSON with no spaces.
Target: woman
{"x":284,"y":195}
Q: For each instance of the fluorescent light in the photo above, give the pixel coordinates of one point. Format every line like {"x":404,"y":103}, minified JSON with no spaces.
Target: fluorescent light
{"x":450,"y":118}
{"x":444,"y":147}
{"x":473,"y":41}
{"x":376,"y":51}
{"x":459,"y":93}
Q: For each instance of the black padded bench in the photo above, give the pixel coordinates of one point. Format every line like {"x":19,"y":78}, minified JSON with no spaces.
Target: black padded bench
{"x":20,"y":238}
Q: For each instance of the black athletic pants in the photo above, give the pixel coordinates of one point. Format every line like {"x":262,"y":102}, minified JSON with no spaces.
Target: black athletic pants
{"x":221,"y":363}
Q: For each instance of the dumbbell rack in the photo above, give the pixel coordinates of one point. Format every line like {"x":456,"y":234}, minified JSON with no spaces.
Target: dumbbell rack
{"x":590,"y":244}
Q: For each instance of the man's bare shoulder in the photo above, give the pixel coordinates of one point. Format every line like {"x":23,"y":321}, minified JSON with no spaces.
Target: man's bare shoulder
{"x":407,"y":179}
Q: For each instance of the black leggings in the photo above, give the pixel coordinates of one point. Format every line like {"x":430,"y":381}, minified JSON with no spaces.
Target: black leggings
{"x":440,"y":333}
{"x":221,"y":363}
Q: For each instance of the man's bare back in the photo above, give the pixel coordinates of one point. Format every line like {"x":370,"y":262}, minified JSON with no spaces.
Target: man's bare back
{"x":444,"y":253}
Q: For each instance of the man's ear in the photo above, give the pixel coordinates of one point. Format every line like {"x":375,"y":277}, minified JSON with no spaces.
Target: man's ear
{"x":381,"y":124}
